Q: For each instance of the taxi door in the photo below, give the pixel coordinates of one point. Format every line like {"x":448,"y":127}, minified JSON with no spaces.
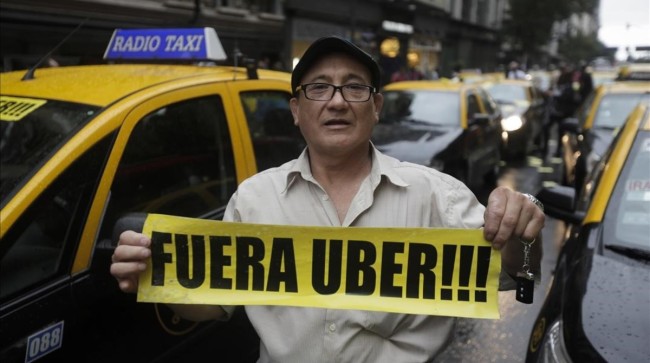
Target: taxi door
{"x":182,"y":152}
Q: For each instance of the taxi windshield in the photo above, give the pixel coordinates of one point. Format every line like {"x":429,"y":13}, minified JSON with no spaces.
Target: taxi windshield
{"x":614,"y":108}
{"x":628,"y":212}
{"x":431,"y":107}
{"x":27,"y":142}
{"x":507,"y":92}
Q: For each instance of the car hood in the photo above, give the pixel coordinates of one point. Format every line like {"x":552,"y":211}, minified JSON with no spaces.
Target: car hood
{"x":416,"y":143}
{"x":614,"y":300}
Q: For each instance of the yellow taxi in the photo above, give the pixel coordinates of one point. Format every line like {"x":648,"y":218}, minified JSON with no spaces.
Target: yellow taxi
{"x":598,"y":306}
{"x":586,"y":137}
{"x":451,"y":126}
{"x":83,"y":146}
{"x":634,"y":72}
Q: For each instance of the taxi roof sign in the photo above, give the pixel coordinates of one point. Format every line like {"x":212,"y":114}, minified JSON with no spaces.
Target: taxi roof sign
{"x":197,"y":44}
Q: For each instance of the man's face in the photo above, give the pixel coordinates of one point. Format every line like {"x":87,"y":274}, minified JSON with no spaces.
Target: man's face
{"x":336,"y":126}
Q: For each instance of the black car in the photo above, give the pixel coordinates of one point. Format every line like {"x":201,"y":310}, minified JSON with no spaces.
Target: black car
{"x":598,"y":306}
{"x":450,"y":126}
{"x":525,"y":114}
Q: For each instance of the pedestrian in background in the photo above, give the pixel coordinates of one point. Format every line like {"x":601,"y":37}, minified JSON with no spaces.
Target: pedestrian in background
{"x":514,"y":71}
{"x":342,"y":180}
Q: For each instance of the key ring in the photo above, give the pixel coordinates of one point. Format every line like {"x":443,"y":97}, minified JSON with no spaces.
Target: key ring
{"x":526,"y":243}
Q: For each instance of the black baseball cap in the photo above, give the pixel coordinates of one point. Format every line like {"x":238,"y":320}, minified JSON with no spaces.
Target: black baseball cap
{"x":328,"y":45}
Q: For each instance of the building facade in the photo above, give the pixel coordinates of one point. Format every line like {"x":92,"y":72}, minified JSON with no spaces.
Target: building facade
{"x":430,"y":36}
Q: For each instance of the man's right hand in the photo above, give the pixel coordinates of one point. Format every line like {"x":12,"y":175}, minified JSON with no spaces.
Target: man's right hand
{"x":129,"y":259}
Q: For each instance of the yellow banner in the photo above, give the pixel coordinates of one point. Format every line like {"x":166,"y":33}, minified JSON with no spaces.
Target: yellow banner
{"x":450,"y":272}
{"x":15,"y":108}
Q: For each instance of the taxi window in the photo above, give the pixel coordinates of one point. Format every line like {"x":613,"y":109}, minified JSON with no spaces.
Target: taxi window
{"x":178,"y":161}
{"x":628,"y":212}
{"x":275,"y":138}
{"x":614,"y":109}
{"x":40,"y":244}
{"x":26,"y":143}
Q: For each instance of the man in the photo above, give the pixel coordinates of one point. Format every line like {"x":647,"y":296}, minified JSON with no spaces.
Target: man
{"x":342,"y":180}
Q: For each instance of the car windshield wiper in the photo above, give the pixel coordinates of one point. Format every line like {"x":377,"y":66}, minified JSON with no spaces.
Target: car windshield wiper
{"x":636,"y":253}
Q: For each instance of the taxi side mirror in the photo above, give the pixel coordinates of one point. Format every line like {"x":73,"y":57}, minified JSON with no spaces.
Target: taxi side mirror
{"x":480,"y":119}
{"x":559,"y":202}
{"x":128,"y":222}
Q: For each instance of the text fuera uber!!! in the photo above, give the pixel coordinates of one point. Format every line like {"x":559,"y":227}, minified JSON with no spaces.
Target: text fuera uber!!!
{"x":152,"y":43}
{"x":364,"y":265}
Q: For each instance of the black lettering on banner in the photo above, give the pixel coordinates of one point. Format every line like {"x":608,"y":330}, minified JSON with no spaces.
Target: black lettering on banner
{"x":332,"y":284}
{"x":422,"y":259}
{"x":218,"y":260}
{"x":183,"y":261}
{"x":361,"y":276}
{"x":466,"y":257}
{"x":390,"y":268}
{"x":448,"y":259}
{"x":482,"y":268}
{"x":159,"y":257}
{"x":250,"y":253}
{"x":282,"y":251}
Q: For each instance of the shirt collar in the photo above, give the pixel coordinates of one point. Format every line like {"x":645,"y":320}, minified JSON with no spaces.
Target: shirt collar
{"x":382,"y":165}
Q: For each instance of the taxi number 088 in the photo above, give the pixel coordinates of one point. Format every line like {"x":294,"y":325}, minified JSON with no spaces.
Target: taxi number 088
{"x":44,"y":342}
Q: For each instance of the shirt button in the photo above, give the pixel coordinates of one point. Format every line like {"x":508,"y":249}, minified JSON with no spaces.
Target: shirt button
{"x":332,"y":327}
{"x":325,"y":197}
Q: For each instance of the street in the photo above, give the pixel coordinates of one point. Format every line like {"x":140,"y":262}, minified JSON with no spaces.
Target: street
{"x":505,"y":340}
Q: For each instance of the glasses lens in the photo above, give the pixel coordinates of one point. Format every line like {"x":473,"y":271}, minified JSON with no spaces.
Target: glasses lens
{"x":356,"y":92}
{"x":319,"y":91}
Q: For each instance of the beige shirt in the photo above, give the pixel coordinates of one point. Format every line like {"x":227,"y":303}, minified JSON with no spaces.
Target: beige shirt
{"x":395,"y":194}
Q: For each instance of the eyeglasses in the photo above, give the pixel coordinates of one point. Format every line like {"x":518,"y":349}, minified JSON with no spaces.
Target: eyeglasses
{"x":326,"y":91}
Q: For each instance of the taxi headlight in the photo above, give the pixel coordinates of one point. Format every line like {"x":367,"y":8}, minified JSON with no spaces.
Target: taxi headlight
{"x":512,"y":123}
{"x":553,"y":348}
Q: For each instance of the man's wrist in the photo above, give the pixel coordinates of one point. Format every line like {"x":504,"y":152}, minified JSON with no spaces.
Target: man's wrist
{"x":535,"y":201}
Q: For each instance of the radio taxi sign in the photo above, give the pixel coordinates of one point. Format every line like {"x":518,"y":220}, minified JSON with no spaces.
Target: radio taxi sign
{"x":184,"y":43}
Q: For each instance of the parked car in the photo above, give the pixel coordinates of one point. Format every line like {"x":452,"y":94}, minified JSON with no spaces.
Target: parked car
{"x":634,"y":72}
{"x":525,"y":114}
{"x":453,"y":127}
{"x":586,"y":137}
{"x":598,"y":306}
{"x":80,"y":147}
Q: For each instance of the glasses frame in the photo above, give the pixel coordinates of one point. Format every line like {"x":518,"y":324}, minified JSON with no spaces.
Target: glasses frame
{"x":302,"y":87}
